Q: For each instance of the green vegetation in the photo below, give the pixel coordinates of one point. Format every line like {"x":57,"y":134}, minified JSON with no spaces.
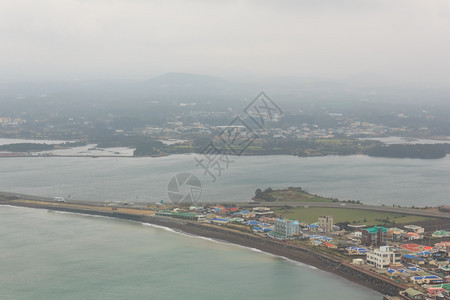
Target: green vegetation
{"x":409,"y":151}
{"x":268,"y":146}
{"x":348,"y":215}
{"x":309,"y":147}
{"x":291,"y":194}
{"x":149,"y":147}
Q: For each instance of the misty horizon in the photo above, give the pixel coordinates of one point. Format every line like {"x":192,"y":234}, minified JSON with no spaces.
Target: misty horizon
{"x":405,"y":42}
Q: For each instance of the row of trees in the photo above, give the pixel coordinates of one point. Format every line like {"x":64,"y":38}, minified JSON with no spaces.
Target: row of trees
{"x":264,"y":195}
{"x":410,"y":151}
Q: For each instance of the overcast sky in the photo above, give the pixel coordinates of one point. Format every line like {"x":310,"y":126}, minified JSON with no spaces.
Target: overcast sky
{"x":137,"y":39}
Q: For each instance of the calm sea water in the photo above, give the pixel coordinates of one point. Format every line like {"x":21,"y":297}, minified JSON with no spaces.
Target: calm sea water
{"x":50,"y":255}
{"x":370,"y":180}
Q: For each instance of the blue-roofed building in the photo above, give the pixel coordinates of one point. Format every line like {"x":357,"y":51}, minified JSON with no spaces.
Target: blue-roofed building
{"x":253,"y":223}
{"x":313,"y":227}
{"x":219,"y":221}
{"x":424,"y":253}
{"x":414,"y":269}
{"x":391,"y":272}
{"x":428,"y":279}
{"x":257,"y":229}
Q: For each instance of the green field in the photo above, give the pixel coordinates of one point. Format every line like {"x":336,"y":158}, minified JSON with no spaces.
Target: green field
{"x":353,"y":216}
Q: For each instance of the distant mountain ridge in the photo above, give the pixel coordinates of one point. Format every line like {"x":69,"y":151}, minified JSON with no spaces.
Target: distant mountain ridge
{"x":187,"y":84}
{"x":175,"y":79}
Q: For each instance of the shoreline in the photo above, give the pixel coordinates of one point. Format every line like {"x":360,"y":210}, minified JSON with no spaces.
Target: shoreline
{"x":267,"y":245}
{"x":22,"y":155}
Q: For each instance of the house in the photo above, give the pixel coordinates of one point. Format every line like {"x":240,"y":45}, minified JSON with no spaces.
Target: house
{"x":395,"y":234}
{"x":412,"y":247}
{"x":313,"y":227}
{"x":441,"y":233}
{"x":413,"y":236}
{"x":427,"y":279}
{"x":443,"y":246}
{"x":196,"y":208}
{"x":414,"y":228}
{"x":381,"y":258}
{"x":224,"y":210}
{"x":358,"y":261}
{"x":375,"y":236}
{"x":261,"y":209}
{"x":356,"y":251}
{"x":413,"y":259}
{"x":285,"y":229}
{"x":413,"y":294}
{"x":434,"y":291}
{"x":329,"y":245}
{"x":325,"y":223}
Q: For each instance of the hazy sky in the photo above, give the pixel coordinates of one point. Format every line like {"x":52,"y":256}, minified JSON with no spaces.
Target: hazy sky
{"x":85,"y":39}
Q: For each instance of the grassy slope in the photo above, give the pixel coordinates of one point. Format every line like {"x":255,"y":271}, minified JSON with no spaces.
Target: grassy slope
{"x":354,"y":216}
{"x":297,"y":196}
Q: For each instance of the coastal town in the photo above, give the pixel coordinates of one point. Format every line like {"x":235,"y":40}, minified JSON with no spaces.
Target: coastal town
{"x":190,"y":127}
{"x":242,"y":149}
{"x":179,"y":125}
{"x":398,"y":254}
{"x":403,"y":262}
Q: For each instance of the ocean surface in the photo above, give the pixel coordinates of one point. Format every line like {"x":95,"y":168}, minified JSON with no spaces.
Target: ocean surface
{"x":52,"y":255}
{"x":370,"y":180}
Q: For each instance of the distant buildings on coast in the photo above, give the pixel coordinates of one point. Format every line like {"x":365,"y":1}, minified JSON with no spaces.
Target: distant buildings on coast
{"x":389,"y":252}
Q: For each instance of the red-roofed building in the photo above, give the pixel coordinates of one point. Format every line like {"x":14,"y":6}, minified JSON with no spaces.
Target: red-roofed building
{"x":328,"y":245}
{"x":413,"y":236}
{"x":412,"y":247}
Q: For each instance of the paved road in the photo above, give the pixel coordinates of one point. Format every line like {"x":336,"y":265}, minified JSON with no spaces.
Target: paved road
{"x":391,"y":209}
{"x":72,"y":201}
{"x":27,"y":197}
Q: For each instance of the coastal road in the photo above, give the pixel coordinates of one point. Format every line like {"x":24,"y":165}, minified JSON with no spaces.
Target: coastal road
{"x":24,"y":196}
{"x":400,"y":210}
{"x":47,"y":199}
{"x":392,"y":209}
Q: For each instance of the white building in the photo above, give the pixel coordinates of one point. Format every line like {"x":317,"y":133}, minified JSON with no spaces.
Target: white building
{"x":382,"y":257}
{"x":414,"y":228}
{"x":285,"y":229}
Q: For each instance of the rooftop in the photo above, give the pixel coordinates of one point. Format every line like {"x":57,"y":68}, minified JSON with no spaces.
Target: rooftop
{"x":376,"y":228}
{"x":413,"y":292}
